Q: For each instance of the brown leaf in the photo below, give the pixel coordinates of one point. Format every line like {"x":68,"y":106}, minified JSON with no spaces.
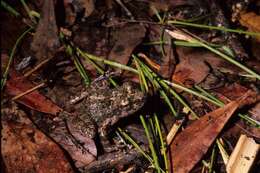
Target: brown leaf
{"x":34,"y":100}
{"x":80,"y":146}
{"x":46,"y":40}
{"x":195,"y":65}
{"x":191,"y":69}
{"x":165,"y":51}
{"x":128,"y":38}
{"x":255,"y":114}
{"x":26,"y":149}
{"x":192,"y":143}
{"x":231,"y":92}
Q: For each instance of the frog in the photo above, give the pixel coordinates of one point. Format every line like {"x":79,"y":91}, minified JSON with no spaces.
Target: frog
{"x":101,"y":107}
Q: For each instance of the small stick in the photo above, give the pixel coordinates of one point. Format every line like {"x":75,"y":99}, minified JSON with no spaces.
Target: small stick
{"x":128,"y":13}
{"x":28,"y":91}
{"x":36,"y":67}
{"x":41,"y":64}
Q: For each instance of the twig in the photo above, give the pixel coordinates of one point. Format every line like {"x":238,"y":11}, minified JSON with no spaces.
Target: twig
{"x":128,"y":13}
{"x":28,"y":91}
{"x":40,"y":64}
{"x":37,"y":67}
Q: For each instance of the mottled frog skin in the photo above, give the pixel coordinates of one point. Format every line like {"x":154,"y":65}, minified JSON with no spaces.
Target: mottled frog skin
{"x":103,"y":107}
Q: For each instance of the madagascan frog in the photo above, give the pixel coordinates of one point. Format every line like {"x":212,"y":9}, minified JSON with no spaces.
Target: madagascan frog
{"x":102,"y":107}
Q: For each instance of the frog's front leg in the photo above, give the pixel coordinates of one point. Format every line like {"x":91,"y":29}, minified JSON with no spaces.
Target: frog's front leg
{"x":73,"y":139}
{"x":104,"y":131}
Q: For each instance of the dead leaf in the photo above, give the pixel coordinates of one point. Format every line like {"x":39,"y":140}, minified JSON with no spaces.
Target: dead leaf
{"x":255,"y":112}
{"x":46,"y":41}
{"x":26,"y":149}
{"x":165,"y":51}
{"x":34,"y":100}
{"x":195,"y":65}
{"x":128,"y":38}
{"x":83,"y":152}
{"x":191,"y":144}
{"x":231,"y":92}
{"x":191,"y":69}
{"x":252,"y":22}
{"x":78,"y":144}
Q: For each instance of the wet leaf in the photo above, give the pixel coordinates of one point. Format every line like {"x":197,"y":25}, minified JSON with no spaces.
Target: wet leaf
{"x":192,"y":143}
{"x":34,"y":100}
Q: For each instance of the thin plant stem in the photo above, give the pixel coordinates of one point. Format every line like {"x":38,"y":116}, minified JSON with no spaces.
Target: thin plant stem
{"x":192,"y":92}
{"x":221,"y":28}
{"x":4,"y":77}
{"x":81,"y":70}
{"x":125,"y":135}
{"x":111,"y":63}
{"x":10,"y":9}
{"x":222,"y":150}
{"x":151,"y":146}
{"x":212,"y":159}
{"x":179,"y":98}
{"x":150,"y":76}
{"x":208,"y":94}
{"x":229,"y":59}
{"x":28,"y":91}
{"x":163,"y":145}
{"x":142,"y":79}
{"x":99,"y":69}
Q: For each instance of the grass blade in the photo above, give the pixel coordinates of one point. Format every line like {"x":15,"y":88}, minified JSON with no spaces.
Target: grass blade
{"x":4,"y":77}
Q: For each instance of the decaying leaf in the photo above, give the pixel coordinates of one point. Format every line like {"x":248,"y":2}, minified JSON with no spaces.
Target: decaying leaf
{"x":26,"y":149}
{"x":191,"y":144}
{"x":164,"y":51}
{"x":34,"y":100}
{"x":195,"y":65}
{"x":252,"y":22}
{"x":125,"y":44}
{"x":243,"y":156}
{"x":80,"y":146}
{"x":232,"y":92}
{"x":191,"y":69}
{"x":46,"y":40}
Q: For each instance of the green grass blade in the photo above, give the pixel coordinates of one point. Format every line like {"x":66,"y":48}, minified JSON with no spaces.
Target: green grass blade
{"x":151,"y":146}
{"x":142,"y":78}
{"x":174,"y":94}
{"x":125,"y":135}
{"x":10,"y":9}
{"x":111,"y":63}
{"x":220,"y":28}
{"x":4,"y":77}
{"x":229,"y":59}
{"x":81,"y":70}
{"x":162,"y":144}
